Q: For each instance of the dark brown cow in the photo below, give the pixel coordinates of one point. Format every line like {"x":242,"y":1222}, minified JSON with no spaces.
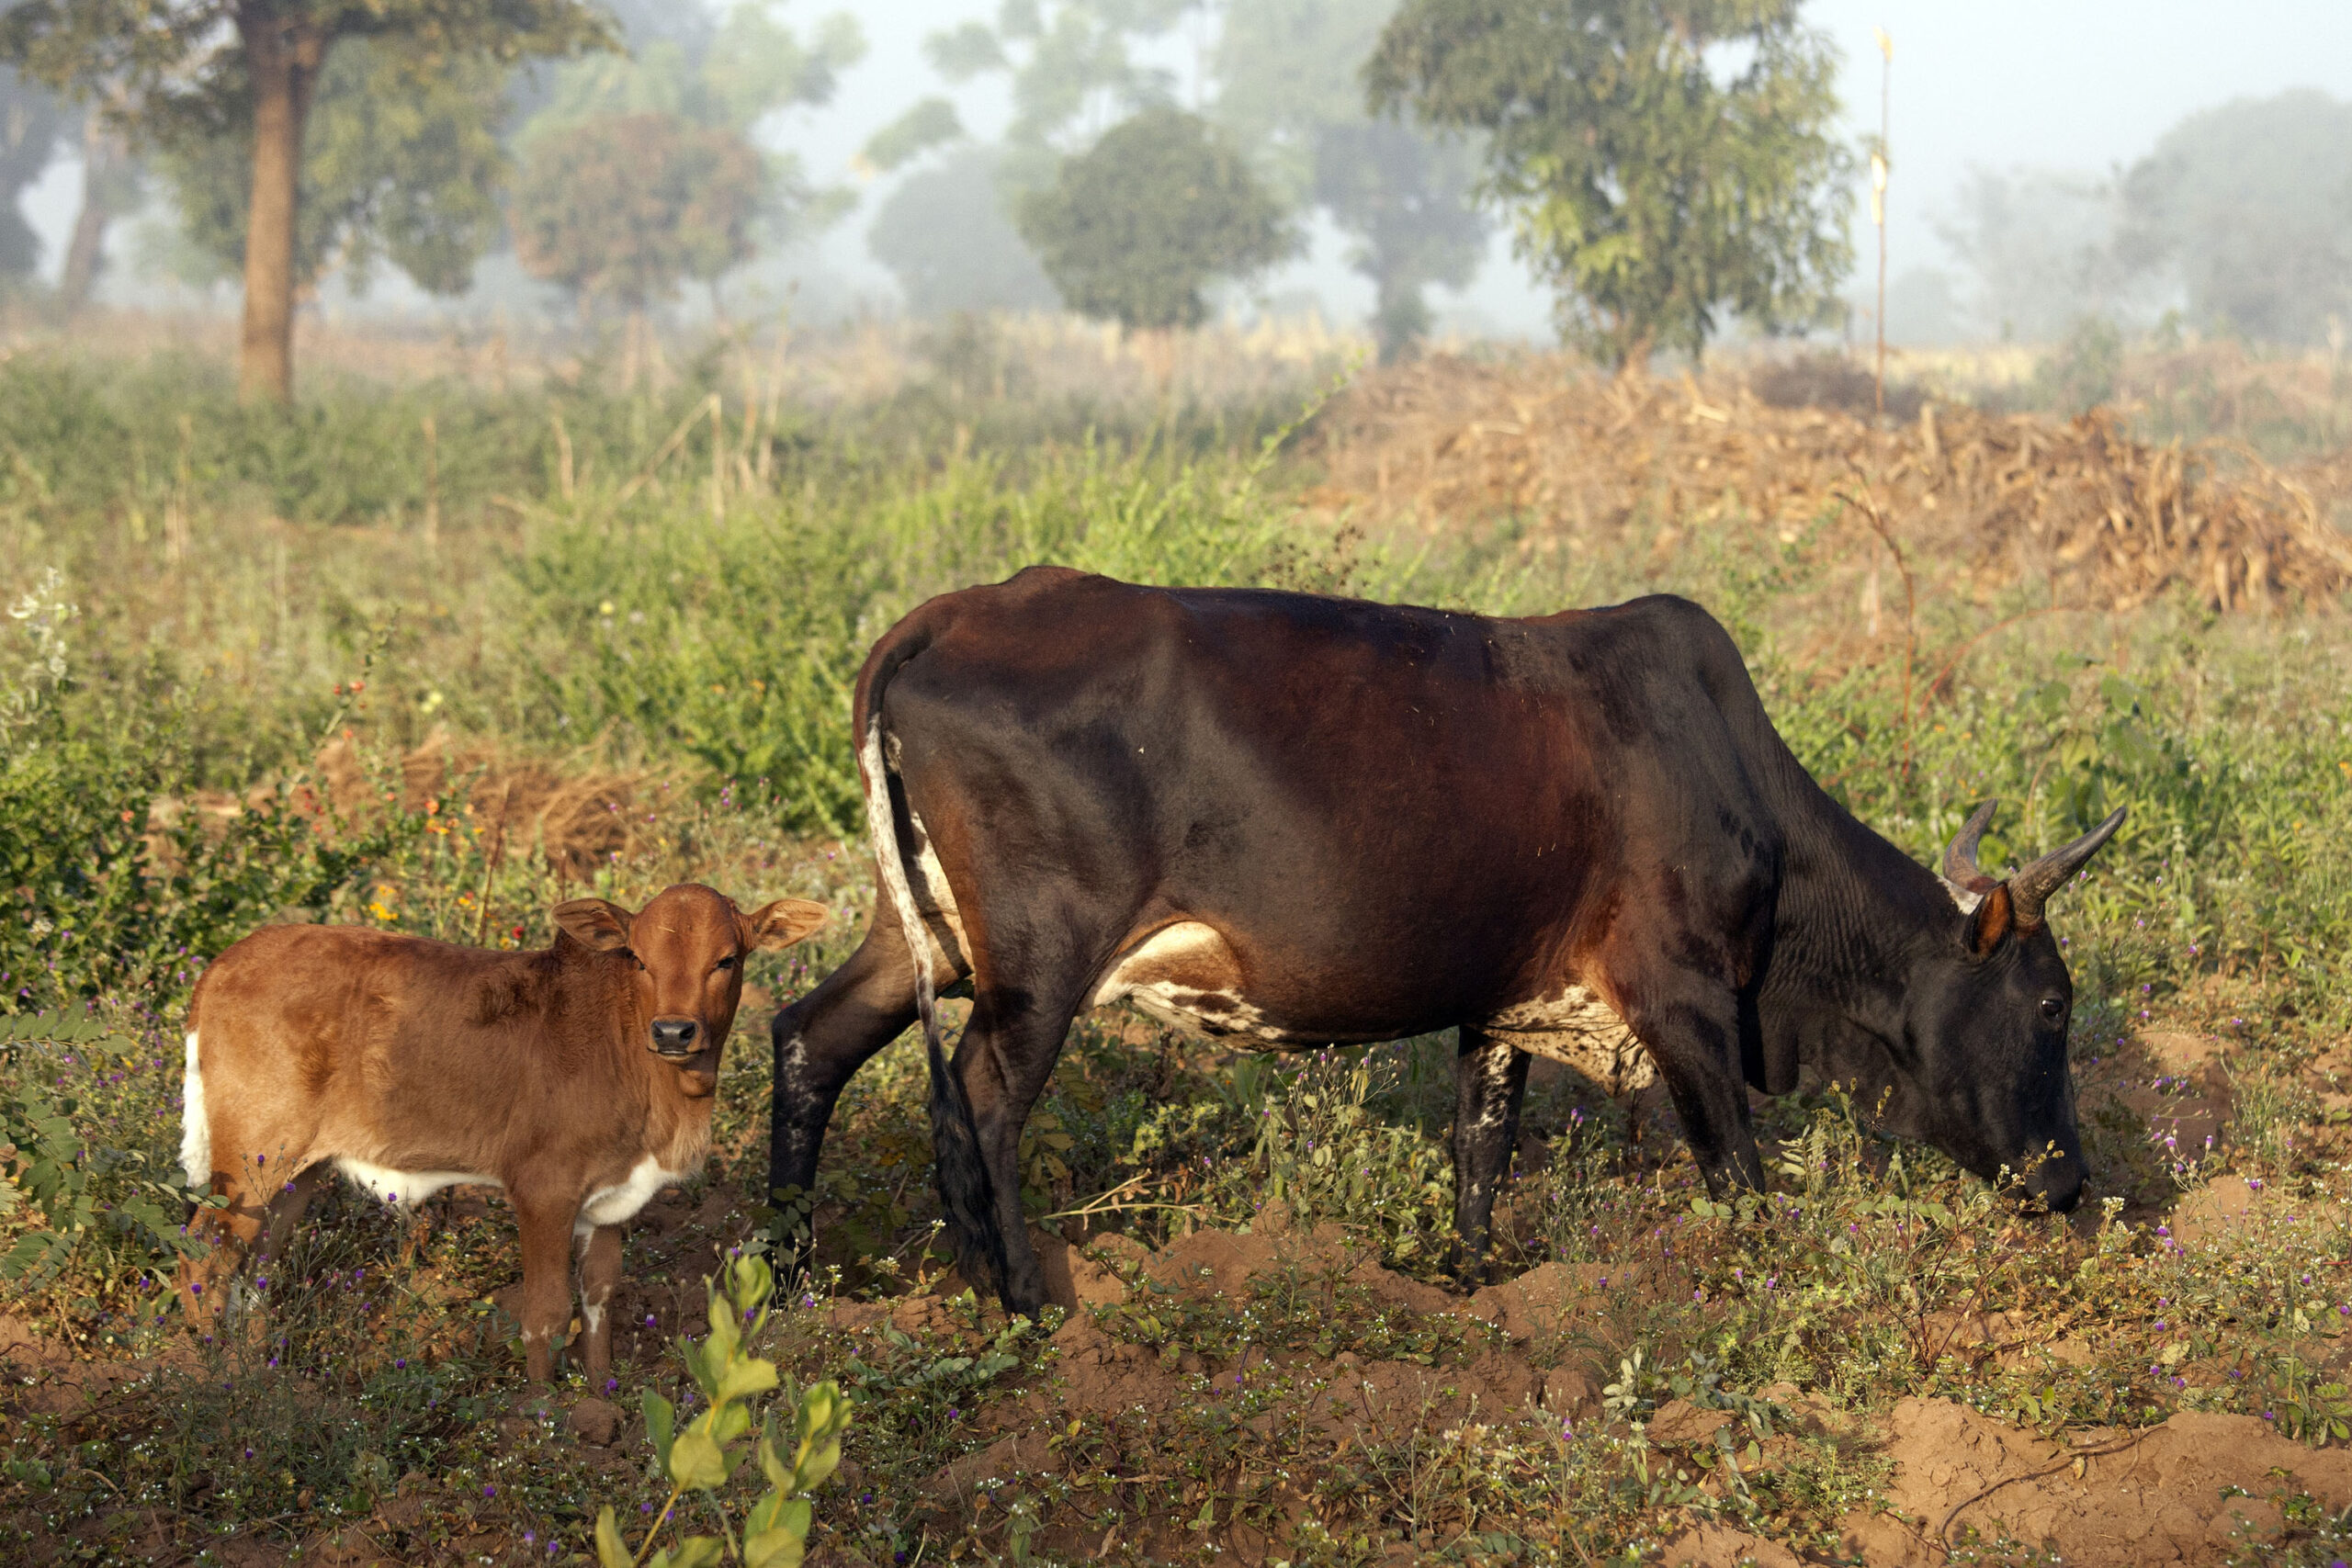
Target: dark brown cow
{"x":1284,"y":820}
{"x":579,"y":1079}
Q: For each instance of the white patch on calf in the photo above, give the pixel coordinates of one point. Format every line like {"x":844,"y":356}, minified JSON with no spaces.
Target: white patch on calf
{"x":407,"y":1188}
{"x":196,"y":1124}
{"x":594,"y":1313}
{"x":1578,"y":1029}
{"x":611,"y":1206}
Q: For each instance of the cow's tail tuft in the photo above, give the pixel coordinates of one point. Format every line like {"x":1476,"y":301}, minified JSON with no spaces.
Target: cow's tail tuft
{"x":965,"y":1188}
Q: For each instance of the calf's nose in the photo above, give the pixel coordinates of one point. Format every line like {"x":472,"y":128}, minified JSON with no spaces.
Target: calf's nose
{"x":675,"y":1036}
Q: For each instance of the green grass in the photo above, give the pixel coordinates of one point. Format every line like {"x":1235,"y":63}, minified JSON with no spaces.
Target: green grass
{"x":712,"y":657}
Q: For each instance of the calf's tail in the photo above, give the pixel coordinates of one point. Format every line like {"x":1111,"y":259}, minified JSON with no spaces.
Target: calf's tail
{"x":965,"y":1188}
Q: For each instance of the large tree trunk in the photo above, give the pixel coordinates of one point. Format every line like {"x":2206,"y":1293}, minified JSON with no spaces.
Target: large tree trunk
{"x":283,"y":53}
{"x":83,"y":253}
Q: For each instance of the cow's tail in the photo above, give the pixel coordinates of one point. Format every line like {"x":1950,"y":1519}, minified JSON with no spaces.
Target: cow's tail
{"x":965,"y":1188}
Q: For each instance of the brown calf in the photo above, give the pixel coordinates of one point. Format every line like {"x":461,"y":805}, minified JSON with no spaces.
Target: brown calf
{"x":578,"y":1079}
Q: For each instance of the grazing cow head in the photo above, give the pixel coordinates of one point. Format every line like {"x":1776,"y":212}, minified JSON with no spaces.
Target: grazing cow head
{"x":1980,"y":1070}
{"x":689,"y":944}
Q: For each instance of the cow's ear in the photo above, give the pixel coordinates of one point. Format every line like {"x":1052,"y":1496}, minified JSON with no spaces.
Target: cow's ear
{"x":781,"y":923}
{"x":1991,"y":921}
{"x":594,"y":922}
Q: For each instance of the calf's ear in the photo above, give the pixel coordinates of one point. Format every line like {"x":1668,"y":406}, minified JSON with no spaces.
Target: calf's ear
{"x":781,"y":923}
{"x":594,"y":922}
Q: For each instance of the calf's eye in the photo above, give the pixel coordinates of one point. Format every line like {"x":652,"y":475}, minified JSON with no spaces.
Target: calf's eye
{"x":727,"y":963}
{"x":2053,"y":1009}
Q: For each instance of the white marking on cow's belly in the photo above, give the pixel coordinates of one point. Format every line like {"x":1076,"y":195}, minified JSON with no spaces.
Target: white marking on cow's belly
{"x":1174,"y":976}
{"x":927,"y":880}
{"x":196,"y":1124}
{"x":1578,"y":1029}
{"x":611,"y":1206}
{"x":407,"y":1187}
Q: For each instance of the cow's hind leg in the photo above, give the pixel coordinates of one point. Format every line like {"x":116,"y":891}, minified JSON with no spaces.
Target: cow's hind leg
{"x":1490,"y":1083}
{"x":820,"y":1041}
{"x":1002,"y":1064}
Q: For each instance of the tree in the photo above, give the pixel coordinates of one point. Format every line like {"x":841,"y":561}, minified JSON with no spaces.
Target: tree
{"x":257,"y":66}
{"x":2040,"y":246}
{"x":1663,"y":160}
{"x":694,"y":91}
{"x":2247,"y":207}
{"x":945,"y":237}
{"x":625,"y":206}
{"x":31,"y":122}
{"x":111,"y":187}
{"x":400,"y":162}
{"x":1136,"y":226}
{"x":1289,"y":88}
{"x":1067,"y":61}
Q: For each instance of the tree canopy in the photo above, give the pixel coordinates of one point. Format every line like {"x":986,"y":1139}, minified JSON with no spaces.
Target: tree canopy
{"x":945,"y":236}
{"x":1134,"y":228}
{"x":623,"y":207}
{"x":2248,"y":207}
{"x":1067,"y":63}
{"x":1290,"y":88}
{"x":1664,"y":161}
{"x":639,"y":171}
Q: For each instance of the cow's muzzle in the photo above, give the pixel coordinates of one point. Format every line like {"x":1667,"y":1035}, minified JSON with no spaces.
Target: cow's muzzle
{"x":2056,"y":1178}
{"x":677,"y":1038}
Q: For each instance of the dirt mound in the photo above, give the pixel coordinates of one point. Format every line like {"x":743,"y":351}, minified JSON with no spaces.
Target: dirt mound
{"x":2111,"y":520}
{"x":2193,"y":1490}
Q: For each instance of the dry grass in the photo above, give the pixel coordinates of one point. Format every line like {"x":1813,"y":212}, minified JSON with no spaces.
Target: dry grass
{"x":2105,"y":519}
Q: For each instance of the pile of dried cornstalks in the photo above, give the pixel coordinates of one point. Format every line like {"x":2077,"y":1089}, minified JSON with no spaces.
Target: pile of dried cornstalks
{"x":2106,"y":521}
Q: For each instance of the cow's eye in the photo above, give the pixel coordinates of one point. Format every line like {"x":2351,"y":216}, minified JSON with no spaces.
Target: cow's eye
{"x":727,"y":963}
{"x":2053,"y":1008}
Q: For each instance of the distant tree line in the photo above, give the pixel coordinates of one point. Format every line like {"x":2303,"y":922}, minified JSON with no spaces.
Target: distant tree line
{"x":1664,"y":166}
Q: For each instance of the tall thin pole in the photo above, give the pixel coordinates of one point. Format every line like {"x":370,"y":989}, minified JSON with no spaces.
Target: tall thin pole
{"x":1878,"y":201}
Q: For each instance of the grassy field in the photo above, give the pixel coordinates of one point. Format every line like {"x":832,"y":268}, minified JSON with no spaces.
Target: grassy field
{"x":262,"y":666}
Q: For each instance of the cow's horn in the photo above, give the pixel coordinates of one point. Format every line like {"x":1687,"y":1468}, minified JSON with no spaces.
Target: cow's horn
{"x":2032,"y":885}
{"x":1959,"y":857}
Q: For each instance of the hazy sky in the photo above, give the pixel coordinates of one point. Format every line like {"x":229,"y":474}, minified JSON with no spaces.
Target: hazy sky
{"x":2079,"y":84}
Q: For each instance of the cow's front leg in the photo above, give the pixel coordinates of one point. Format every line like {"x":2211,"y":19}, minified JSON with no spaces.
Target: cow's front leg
{"x":1692,"y":1027}
{"x":546,"y":1279}
{"x":1490,"y":1084}
{"x":600,"y":1272}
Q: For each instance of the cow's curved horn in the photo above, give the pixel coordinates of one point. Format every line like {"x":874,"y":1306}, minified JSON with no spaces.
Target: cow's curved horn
{"x":2032,"y":885}
{"x":1959,"y":857}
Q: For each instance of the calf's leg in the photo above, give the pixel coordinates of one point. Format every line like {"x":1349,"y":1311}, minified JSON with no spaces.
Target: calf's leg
{"x":546,"y":1225}
{"x":600,"y":1270}
{"x":1490,"y":1084}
